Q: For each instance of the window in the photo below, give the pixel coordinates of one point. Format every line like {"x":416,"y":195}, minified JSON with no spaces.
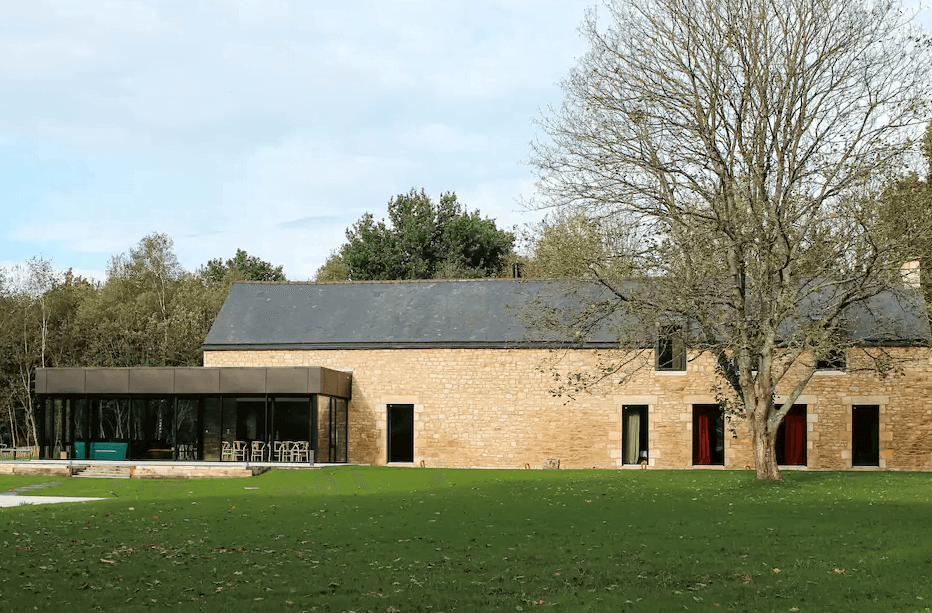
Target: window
{"x":671,"y":348}
{"x":708,"y":435}
{"x":791,"y":437}
{"x":833,"y":360}
{"x":400,"y":432}
{"x":865,"y":435}
{"x":634,"y":434}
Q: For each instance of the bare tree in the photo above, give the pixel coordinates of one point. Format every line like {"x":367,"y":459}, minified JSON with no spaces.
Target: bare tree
{"x":26,"y":327}
{"x":737,"y":146}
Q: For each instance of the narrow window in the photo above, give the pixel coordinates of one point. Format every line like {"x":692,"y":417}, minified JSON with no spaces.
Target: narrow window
{"x":400,"y":433}
{"x":708,"y":435}
{"x":865,"y":435}
{"x":634,"y":434}
{"x":671,"y":349}
{"x":791,"y":437}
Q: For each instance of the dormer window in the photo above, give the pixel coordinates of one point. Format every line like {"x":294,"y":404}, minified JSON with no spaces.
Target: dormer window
{"x":833,"y":360}
{"x":671,"y":348}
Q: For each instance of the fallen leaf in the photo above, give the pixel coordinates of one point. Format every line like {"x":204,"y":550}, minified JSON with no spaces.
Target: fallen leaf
{"x":106,"y":561}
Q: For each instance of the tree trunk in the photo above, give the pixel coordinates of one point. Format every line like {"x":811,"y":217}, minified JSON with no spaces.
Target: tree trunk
{"x":765,"y":456}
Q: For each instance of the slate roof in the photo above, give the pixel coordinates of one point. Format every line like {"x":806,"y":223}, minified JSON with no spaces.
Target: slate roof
{"x":457,"y":314}
{"x":390,"y":314}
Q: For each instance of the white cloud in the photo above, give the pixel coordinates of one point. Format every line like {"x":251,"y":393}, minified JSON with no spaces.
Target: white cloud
{"x":268,"y":125}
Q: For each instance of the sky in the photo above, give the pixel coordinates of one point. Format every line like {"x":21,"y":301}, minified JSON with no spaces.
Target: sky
{"x":265,"y":125}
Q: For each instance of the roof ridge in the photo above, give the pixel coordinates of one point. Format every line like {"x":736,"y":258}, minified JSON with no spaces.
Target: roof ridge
{"x":385,"y":281}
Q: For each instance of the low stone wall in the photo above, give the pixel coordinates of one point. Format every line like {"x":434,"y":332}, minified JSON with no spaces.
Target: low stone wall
{"x":194,"y":471}
{"x":35,"y":469}
{"x":188,"y":471}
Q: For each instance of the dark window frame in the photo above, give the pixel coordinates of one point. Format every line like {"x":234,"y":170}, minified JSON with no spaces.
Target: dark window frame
{"x":399,"y":449}
{"x":716,"y":433}
{"x":780,"y":440}
{"x":670,"y":348}
{"x":835,"y":360}
{"x":643,"y":452}
{"x":865,"y":435}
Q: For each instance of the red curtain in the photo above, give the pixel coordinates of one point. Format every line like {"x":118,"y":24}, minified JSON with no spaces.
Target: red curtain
{"x":794,"y":439}
{"x":703,"y":455}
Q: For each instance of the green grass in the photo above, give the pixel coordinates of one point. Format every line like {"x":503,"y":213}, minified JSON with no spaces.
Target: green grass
{"x":380,"y":539}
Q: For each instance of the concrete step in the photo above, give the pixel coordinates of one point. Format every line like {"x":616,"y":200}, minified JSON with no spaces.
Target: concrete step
{"x":104,"y":472}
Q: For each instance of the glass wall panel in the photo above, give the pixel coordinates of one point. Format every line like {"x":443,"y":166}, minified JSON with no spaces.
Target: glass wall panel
{"x":67,"y":433}
{"x":186,"y":429}
{"x":152,"y":432}
{"x":212,"y":429}
{"x":191,"y":428}
{"x":291,"y":430}
{"x":82,"y":425}
{"x":244,"y":429}
{"x":57,"y":427}
{"x":50,"y":409}
{"x":112,"y":419}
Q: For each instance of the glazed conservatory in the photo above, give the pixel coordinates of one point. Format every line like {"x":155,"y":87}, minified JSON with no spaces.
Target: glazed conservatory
{"x":274,"y":414}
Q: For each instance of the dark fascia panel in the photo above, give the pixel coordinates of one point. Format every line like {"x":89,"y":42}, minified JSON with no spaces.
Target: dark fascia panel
{"x":41,"y":381}
{"x":336,"y":383}
{"x":61,"y":380}
{"x":194,"y":380}
{"x":197,"y":380}
{"x":288,"y":380}
{"x":151,"y":380}
{"x":107,"y":381}
{"x":236,"y":380}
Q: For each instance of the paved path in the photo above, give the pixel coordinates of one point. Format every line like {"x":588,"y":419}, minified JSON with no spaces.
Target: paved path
{"x":8,"y":500}
{"x":13,"y":499}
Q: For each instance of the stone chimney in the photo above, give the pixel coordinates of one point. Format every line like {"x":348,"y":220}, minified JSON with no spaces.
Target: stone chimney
{"x":909,"y":272}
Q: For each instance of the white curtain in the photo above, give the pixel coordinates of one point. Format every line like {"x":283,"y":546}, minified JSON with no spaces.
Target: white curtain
{"x":632,"y":437}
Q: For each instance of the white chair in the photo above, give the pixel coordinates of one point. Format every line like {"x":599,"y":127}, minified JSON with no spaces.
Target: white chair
{"x":282,"y":450}
{"x":226,"y":451}
{"x":186,"y":451}
{"x":239,"y":451}
{"x":258,"y":452}
{"x":299,"y":451}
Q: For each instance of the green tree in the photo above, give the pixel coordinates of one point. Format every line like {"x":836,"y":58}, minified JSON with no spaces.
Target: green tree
{"x":150,"y":311}
{"x":735,"y":148}
{"x":334,"y":269}
{"x":241,"y":267}
{"x":421,"y":240}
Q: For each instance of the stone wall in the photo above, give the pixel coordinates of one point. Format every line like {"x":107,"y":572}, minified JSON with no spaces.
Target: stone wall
{"x":495,"y":407}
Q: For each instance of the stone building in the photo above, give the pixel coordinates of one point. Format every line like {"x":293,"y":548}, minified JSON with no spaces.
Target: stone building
{"x":458,"y":374}
{"x":461,"y":374}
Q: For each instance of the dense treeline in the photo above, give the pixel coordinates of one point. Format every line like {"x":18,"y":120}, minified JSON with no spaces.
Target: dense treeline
{"x":421,"y":239}
{"x":148,"y":312}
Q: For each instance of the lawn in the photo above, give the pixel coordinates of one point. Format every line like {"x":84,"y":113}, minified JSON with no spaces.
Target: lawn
{"x":405,"y":540}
